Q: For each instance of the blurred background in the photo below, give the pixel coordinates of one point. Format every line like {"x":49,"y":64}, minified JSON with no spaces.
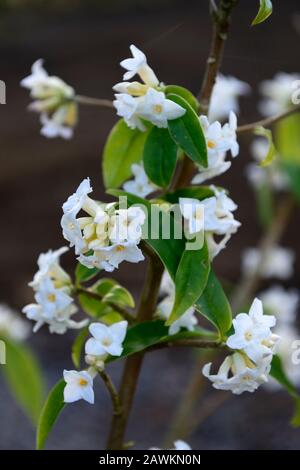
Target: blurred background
{"x":83,"y":43}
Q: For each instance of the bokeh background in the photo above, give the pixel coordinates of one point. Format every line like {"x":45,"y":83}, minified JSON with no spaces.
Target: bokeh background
{"x":83,"y":42}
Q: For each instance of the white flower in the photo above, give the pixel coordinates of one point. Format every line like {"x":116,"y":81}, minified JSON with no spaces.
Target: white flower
{"x":219,"y":140}
{"x":11,"y":325}
{"x":126,"y":225}
{"x":131,"y":88}
{"x":49,"y":266}
{"x":167,"y":285}
{"x":225,"y":96}
{"x":127,"y":108}
{"x":58,"y":324}
{"x":281,"y":303}
{"x":188,"y":320}
{"x":79,"y":386}
{"x":76,"y":201}
{"x":51,"y":299}
{"x":238,"y":374}
{"x":156,"y":108}
{"x":277,"y":93}
{"x":277,"y":263}
{"x":272,"y":174}
{"x":140,"y":185}
{"x":138,"y":65}
{"x":109,"y":257}
{"x":252,"y":333}
{"x":193,"y":212}
{"x":106,"y":339}
{"x":54,"y":99}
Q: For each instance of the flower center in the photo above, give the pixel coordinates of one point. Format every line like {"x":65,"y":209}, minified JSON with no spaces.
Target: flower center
{"x":211,"y":144}
{"x":248,"y":335}
{"x":82,"y":382}
{"x":51,"y":297}
{"x":106,"y":341}
{"x":157,"y":108}
{"x":120,"y":248}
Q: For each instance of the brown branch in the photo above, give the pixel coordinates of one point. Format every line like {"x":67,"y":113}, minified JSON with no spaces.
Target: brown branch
{"x":103,"y":103}
{"x":268,"y":121}
{"x":118,"y":308}
{"x":112,"y":392}
{"x":134,"y":363}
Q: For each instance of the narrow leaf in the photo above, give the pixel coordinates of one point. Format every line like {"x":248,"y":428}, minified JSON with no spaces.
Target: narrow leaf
{"x":185,"y":94}
{"x":84,"y":274}
{"x":265,"y":10}
{"x":50,"y":412}
{"x":190,"y":281}
{"x":77,"y":346}
{"x":261,"y":131}
{"x":160,"y":155}
{"x":195,"y":192}
{"x":187,"y":132}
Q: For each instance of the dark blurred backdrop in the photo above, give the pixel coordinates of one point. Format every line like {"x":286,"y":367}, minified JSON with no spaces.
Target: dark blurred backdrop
{"x":83,"y":42}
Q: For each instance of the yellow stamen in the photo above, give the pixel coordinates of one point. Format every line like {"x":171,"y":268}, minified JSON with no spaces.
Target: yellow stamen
{"x":157,"y":108}
{"x":120,"y":248}
{"x":211,"y":144}
{"x":51,"y":297}
{"x":82,"y":382}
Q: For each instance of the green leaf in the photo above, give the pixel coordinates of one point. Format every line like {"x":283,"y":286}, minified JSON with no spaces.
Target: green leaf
{"x":119,"y":295}
{"x":185,"y":94}
{"x":123,"y":147}
{"x":169,"y":250}
{"x":265,"y":204}
{"x":77,"y":346}
{"x":265,"y":10}
{"x":190,"y":281}
{"x":103,"y":286}
{"x":160,"y":155}
{"x":195,"y":192}
{"x":293,"y":173}
{"x":84,"y":274}
{"x":213,"y":304}
{"x":91,"y":306}
{"x":24,"y":378}
{"x":261,"y":131}
{"x":187,"y":132}
{"x":50,"y":412}
{"x":144,"y":335}
{"x":277,"y":372}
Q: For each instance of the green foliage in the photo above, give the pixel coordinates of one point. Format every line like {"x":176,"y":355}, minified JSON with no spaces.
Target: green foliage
{"x":213,"y":304}
{"x":77,"y":346}
{"x":84,"y":274}
{"x":24,"y":378}
{"x":195,"y":192}
{"x":265,"y":10}
{"x":50,"y":412}
{"x":187,"y":132}
{"x":261,"y":131}
{"x":184,"y":93}
{"x":277,"y":372}
{"x":160,"y":155}
{"x":123,"y":147}
{"x":190,"y":280}
{"x":265,"y":206}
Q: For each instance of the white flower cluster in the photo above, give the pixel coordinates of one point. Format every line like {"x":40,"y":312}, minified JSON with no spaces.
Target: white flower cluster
{"x":105,"y":236}
{"x":53,"y":288}
{"x":54,"y":99}
{"x":12,"y":325}
{"x":255,"y":344}
{"x":213,"y":215}
{"x":188,"y":320}
{"x":271,"y":175}
{"x":219,"y":140}
{"x":278,"y":262}
{"x":278,"y":93}
{"x":106,"y":340}
{"x":284,"y":304}
{"x":137,"y":102}
{"x":226,"y":92}
{"x":141,"y":185}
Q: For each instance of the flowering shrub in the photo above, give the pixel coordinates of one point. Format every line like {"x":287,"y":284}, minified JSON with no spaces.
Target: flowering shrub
{"x":167,"y":143}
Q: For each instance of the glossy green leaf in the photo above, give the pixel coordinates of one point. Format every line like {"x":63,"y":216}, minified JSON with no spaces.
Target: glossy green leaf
{"x":92,"y":306}
{"x":185,"y":94}
{"x":170,"y":249}
{"x":103,"y":286}
{"x":190,"y":280}
{"x":265,"y":10}
{"x":24,"y":378}
{"x":187,"y":132}
{"x":78,"y":346}
{"x":120,"y":296}
{"x":123,"y":147}
{"x":147,"y":334}
{"x":50,"y":412}
{"x":278,"y":373}
{"x":271,"y":153}
{"x":213,"y":304}
{"x":84,"y":274}
{"x":160,"y":156}
{"x":195,"y":192}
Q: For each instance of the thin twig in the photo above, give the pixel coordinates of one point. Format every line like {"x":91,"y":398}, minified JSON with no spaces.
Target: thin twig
{"x":103,"y":103}
{"x":118,"y":308}
{"x":268,"y":121}
{"x":112,"y":391}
